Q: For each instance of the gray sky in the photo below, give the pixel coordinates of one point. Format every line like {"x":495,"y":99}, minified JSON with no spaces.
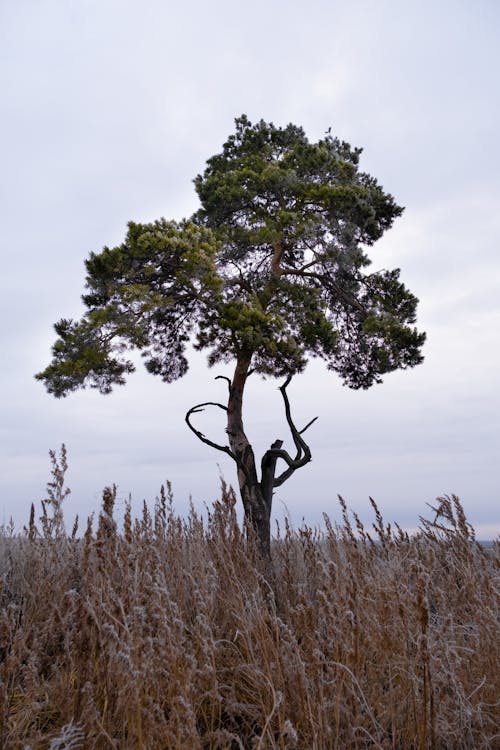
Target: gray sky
{"x":110,"y":108}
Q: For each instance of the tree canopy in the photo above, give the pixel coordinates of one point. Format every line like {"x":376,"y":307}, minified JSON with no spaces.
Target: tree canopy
{"x":271,"y":270}
{"x":273,"y":262}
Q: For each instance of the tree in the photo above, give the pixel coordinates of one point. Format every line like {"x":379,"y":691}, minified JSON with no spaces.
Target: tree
{"x":270,"y":271}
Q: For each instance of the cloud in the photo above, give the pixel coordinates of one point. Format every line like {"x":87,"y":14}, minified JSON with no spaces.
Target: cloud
{"x":109,"y":110}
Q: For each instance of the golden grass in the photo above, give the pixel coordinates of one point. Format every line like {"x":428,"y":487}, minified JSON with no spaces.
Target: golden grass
{"x":165,"y":634}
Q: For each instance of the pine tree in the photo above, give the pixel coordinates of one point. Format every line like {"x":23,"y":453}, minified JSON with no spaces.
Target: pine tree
{"x":271,"y":270}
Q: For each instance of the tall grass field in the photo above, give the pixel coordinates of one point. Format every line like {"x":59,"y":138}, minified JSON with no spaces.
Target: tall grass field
{"x":162,"y":633}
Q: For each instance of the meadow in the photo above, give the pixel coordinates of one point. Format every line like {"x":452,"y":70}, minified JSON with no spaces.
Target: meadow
{"x":162,"y":632}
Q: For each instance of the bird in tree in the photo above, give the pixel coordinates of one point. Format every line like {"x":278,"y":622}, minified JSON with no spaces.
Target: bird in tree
{"x":271,"y":270}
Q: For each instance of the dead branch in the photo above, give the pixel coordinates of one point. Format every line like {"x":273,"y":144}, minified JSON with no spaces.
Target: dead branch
{"x":199,"y":408}
{"x":224,"y":377}
{"x":303,"y":455}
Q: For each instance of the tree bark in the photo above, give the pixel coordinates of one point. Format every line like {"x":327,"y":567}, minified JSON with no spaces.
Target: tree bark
{"x":257,"y":495}
{"x":256,"y":506}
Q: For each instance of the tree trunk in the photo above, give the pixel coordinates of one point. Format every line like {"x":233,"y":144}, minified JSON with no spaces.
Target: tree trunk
{"x":257,"y":499}
{"x":257,"y":496}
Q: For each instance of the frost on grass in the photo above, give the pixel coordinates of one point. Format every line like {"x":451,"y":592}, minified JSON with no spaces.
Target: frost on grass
{"x":70,"y":738}
{"x":161,"y":632}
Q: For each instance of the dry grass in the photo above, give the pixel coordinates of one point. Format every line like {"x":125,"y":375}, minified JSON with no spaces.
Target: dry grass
{"x":165,"y":635}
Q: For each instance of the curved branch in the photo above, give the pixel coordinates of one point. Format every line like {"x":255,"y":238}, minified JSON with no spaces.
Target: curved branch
{"x":300,"y":443}
{"x":278,"y":481}
{"x":199,"y":408}
{"x":303,"y":455}
{"x":224,"y":377}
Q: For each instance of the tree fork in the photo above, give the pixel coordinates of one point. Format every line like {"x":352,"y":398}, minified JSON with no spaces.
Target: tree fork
{"x":257,"y":496}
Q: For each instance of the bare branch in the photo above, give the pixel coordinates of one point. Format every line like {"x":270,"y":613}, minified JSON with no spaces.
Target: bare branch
{"x":283,"y":454}
{"x":268,"y":466}
{"x":310,"y":264}
{"x":224,"y":377}
{"x":300,"y":443}
{"x":199,"y":408}
{"x":301,"y":432}
{"x":303,"y":455}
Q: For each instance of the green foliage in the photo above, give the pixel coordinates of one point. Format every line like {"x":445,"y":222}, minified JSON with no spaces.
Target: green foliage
{"x":271,"y":266}
{"x":147,"y":294}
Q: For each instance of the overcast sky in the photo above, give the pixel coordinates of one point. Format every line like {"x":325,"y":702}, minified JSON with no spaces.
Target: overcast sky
{"x":110,"y":108}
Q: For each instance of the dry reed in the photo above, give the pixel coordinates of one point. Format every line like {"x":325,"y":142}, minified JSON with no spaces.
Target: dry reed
{"x":165,"y":635}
